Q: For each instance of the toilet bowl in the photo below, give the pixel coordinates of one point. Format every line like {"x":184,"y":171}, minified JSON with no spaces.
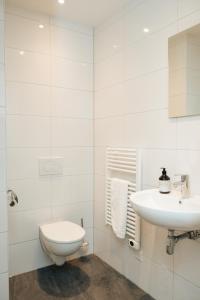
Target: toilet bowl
{"x":61,"y":239}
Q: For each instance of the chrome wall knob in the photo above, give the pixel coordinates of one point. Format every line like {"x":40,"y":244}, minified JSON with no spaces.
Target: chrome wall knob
{"x":12,"y":198}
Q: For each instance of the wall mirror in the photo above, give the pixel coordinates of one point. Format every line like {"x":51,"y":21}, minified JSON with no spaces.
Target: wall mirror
{"x":184,"y":73}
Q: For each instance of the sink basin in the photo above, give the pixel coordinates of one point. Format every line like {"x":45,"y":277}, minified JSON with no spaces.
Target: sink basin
{"x":167,"y":210}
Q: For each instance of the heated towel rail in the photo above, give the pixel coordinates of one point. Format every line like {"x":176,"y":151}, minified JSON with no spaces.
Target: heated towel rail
{"x":124,"y":163}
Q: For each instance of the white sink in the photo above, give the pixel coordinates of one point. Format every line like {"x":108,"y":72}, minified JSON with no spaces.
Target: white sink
{"x":167,"y":210}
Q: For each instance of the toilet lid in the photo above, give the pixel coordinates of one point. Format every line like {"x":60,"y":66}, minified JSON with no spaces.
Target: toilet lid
{"x":63,"y":232}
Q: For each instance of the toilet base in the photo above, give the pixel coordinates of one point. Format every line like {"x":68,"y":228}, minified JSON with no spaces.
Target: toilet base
{"x":58,"y":260}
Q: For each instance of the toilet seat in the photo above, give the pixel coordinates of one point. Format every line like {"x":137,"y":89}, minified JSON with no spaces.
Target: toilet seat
{"x":62,"y":232}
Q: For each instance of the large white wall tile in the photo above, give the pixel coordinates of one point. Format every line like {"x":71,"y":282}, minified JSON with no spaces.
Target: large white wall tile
{"x":28,"y":99}
{"x":186,"y":263}
{"x":99,"y":203}
{"x":2,"y":5}
{"x":100,"y":160}
{"x":4,"y":253}
{"x":23,"y":163}
{"x":184,"y":290}
{"x":34,"y":67}
{"x":187,"y":133}
{"x":102,"y":243}
{"x":4,"y":286}
{"x":136,"y":98}
{"x":72,"y":45}
{"x":71,"y":132}
{"x":2,"y":128}
{"x":144,"y":16}
{"x":189,"y":21}
{"x":116,"y":104}
{"x":74,"y":213}
{"x":27,"y":14}
{"x":187,"y":7}
{"x":24,"y":226}
{"x":153,"y":241}
{"x":161,"y":282}
{"x":109,"y":132}
{"x":24,"y":33}
{"x":32,"y":193}
{"x":150,"y":129}
{"x":75,"y":160}
{"x":109,"y":71}
{"x":72,"y":74}
{"x":2,"y":170}
{"x":2,"y":85}
{"x":131,"y":97}
{"x":64,"y":189}
{"x":72,"y":103}
{"x":149,"y":54}
{"x":3,"y":212}
{"x":108,"y":41}
{"x":27,"y":256}
{"x":2,"y":44}
{"x":76,"y":27}
{"x":28,"y":131}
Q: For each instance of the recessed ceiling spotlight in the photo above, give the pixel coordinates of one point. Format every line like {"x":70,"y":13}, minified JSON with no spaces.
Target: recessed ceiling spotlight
{"x":21,"y":52}
{"x":146,"y":30}
{"x":41,"y":26}
{"x":115,"y":46}
{"x":61,"y":1}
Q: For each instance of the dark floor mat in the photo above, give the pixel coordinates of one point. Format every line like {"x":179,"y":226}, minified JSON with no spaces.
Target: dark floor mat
{"x":86,"y":278}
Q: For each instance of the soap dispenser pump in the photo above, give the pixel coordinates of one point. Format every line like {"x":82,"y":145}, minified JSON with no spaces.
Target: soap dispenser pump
{"x":164,"y":182}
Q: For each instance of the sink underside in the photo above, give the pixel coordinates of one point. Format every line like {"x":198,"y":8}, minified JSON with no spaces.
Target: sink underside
{"x":168,"y":210}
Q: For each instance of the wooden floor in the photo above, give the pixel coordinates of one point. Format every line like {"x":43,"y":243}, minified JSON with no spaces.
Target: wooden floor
{"x":83,"y":279}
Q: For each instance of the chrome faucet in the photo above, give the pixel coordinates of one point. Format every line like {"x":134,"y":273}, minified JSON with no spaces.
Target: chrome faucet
{"x":180,"y":184}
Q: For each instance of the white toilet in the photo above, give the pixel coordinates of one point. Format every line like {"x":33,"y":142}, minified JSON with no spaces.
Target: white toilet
{"x":61,"y":239}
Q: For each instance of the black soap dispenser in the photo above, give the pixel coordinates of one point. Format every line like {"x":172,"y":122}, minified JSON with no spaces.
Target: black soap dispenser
{"x":164,"y":182}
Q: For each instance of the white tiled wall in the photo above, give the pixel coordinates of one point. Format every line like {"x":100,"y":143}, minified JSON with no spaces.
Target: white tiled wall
{"x":49,"y":113}
{"x":3,"y":201}
{"x":131,"y":101}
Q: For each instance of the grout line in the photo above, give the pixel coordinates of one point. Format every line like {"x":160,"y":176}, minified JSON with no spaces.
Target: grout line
{"x":184,"y":278}
{"x":94,"y":105}
{"x":51,"y":54}
{"x":48,"y":147}
{"x":84,"y":174}
{"x":61,"y":117}
{"x":131,"y":79}
{"x":34,"y":210}
{"x":52,"y":86}
{"x":131,"y":113}
{"x":49,"y":23}
{"x":53,"y":147}
{"x":4,"y":273}
{"x":4,"y":232}
{"x":138,"y":40}
{"x":118,"y":16}
{"x":37,"y":239}
{"x":178,"y":19}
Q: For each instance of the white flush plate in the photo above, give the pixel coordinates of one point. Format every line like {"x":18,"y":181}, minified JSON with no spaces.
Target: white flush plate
{"x":50,"y":166}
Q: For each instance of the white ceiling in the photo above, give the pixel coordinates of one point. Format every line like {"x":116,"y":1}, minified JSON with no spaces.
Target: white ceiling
{"x":89,"y":12}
